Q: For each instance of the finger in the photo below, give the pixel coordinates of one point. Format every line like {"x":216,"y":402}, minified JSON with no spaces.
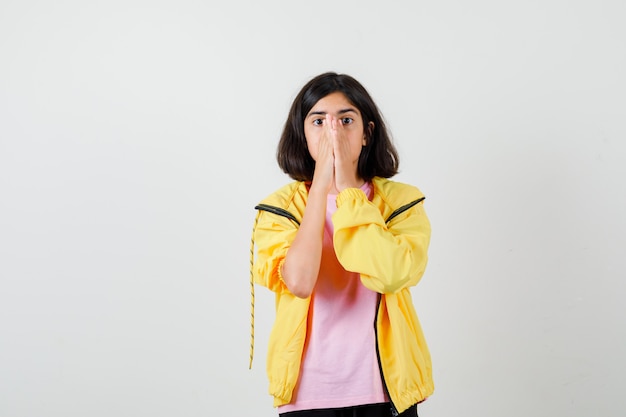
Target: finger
{"x":331,"y":122}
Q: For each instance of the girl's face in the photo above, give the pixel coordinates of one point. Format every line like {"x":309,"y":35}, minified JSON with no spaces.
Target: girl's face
{"x":351,"y":123}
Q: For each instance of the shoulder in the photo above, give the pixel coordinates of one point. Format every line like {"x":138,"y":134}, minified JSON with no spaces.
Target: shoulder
{"x":285,"y":195}
{"x":396,"y":193}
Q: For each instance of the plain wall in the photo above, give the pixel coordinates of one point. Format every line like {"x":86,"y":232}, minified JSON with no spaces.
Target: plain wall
{"x":136,"y":138}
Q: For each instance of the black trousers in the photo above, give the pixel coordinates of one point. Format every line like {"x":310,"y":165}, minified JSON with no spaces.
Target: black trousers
{"x":370,"y":410}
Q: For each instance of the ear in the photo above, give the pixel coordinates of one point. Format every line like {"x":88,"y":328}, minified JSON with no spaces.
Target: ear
{"x":368,"y":133}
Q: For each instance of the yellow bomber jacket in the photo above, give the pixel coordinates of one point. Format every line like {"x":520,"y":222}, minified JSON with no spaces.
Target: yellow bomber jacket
{"x":385,"y":240}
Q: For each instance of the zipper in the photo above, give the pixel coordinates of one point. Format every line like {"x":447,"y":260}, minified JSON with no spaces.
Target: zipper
{"x":397,"y":212}
{"x":394,"y":410}
{"x":404,"y":208}
{"x":277,"y":210}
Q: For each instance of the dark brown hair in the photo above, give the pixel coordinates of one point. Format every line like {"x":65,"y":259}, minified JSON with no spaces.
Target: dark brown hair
{"x":378,"y":158}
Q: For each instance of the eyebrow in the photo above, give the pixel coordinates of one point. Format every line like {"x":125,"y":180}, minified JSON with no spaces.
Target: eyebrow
{"x":323,"y":113}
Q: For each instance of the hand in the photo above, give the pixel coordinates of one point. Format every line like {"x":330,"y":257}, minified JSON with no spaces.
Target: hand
{"x":324,"y":175}
{"x":345,"y":166}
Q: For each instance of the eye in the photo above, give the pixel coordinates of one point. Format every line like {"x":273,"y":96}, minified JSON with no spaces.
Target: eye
{"x":318,"y":122}
{"x":347,"y":120}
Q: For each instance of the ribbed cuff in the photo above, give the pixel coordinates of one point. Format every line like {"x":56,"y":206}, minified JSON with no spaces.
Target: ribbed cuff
{"x":350,"y":194}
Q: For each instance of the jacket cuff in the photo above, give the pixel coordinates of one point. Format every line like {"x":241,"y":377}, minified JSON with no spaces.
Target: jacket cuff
{"x":279,"y":270}
{"x":350,"y":194}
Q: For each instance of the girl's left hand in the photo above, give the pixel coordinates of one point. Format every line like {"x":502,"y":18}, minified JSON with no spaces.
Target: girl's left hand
{"x":345,"y":167}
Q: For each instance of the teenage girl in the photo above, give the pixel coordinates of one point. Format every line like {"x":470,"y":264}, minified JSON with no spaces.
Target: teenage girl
{"x":340,"y":247}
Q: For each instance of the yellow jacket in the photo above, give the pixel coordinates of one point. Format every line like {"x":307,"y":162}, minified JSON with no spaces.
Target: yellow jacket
{"x":385,"y":240}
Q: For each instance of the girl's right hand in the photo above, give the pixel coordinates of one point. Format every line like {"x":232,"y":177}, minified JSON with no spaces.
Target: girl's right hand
{"x":324,"y":174}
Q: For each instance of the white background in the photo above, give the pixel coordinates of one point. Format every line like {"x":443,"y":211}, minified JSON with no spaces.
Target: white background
{"x":136,"y":138}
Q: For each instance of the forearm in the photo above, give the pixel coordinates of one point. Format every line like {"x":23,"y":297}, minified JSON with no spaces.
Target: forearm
{"x":302,"y":261}
{"x":389,"y":256}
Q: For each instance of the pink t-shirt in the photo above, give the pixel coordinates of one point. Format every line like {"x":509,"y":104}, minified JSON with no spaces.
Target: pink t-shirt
{"x":340,"y":367}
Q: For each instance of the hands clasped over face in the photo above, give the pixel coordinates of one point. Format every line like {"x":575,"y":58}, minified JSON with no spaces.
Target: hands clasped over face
{"x":335,"y":136}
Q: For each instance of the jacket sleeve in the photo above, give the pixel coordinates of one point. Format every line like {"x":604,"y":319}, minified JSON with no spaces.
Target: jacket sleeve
{"x":273,"y":235}
{"x":389,"y":257}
